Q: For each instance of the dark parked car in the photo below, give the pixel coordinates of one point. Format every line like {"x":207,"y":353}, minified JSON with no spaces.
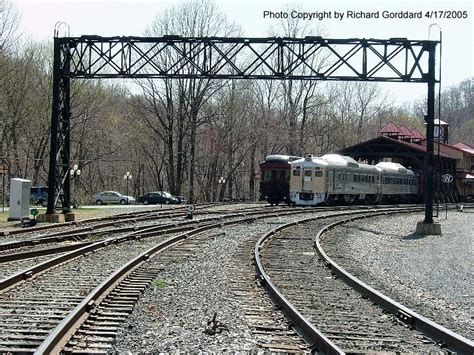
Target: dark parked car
{"x":158,"y":197}
{"x":39,"y":195}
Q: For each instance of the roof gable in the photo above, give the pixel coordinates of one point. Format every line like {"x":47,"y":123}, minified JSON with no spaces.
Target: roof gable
{"x":389,"y":127}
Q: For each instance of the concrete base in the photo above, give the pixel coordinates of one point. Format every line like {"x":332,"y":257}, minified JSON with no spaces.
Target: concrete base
{"x":69,"y":217}
{"x":51,"y":218}
{"x":423,"y":228}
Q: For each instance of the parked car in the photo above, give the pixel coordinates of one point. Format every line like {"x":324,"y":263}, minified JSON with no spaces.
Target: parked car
{"x":181,"y":199}
{"x":39,"y":195}
{"x":158,"y":197}
{"x":112,"y":197}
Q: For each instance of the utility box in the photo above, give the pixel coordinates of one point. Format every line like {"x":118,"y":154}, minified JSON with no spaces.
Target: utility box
{"x":19,"y":199}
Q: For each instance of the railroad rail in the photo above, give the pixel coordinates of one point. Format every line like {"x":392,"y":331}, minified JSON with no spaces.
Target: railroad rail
{"x":453,"y":341}
{"x":109,"y":303}
{"x":116,"y":296}
{"x":328,"y":340}
{"x":124,"y":217}
{"x":14,"y":324}
{"x":115,"y":225}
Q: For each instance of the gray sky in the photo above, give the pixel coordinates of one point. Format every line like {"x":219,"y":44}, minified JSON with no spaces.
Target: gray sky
{"x":127,"y":17}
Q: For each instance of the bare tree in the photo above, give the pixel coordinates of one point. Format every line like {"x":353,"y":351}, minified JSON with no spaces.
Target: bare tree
{"x":300,"y":98}
{"x":177,"y":105}
{"x":9,"y":23}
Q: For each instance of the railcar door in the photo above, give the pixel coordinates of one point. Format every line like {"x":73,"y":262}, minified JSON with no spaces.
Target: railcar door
{"x":296,"y":179}
{"x":307,"y":179}
{"x":331,"y":180}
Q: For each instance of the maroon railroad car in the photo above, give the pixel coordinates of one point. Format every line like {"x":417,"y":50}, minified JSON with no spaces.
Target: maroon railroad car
{"x":275,"y":178}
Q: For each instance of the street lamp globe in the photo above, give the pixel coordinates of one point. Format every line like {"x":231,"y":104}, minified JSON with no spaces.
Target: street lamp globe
{"x":127,"y":177}
{"x":75,"y":172}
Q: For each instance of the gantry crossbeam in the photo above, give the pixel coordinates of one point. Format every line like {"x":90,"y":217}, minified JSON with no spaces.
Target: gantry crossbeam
{"x":309,"y":58}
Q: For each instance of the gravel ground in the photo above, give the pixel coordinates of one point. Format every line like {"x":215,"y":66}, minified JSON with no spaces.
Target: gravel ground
{"x":12,"y":267}
{"x":430,"y":274}
{"x":173,"y":318}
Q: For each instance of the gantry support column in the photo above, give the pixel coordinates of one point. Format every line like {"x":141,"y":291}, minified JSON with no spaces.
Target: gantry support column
{"x":428,"y":226}
{"x":429,"y":171}
{"x":58,"y":177}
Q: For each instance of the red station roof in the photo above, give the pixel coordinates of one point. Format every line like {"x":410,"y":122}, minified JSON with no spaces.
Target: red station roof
{"x":467,"y":148}
{"x":389,"y":127}
{"x":416,"y":134}
{"x":405,"y":132}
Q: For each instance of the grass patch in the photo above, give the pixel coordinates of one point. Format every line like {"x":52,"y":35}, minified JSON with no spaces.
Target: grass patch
{"x":159,"y":283}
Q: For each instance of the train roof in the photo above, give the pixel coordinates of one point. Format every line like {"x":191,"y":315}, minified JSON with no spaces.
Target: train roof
{"x":310,"y":161}
{"x":280,"y":157}
{"x":336,"y":160}
{"x":390,"y":167}
{"x":340,"y":160}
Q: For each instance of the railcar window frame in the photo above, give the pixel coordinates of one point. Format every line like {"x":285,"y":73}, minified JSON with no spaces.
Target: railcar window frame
{"x":268,"y":173}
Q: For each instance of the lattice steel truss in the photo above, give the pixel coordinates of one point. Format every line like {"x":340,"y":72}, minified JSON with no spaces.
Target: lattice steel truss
{"x":309,"y":58}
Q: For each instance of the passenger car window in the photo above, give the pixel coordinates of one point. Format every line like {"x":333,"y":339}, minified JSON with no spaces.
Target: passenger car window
{"x":296,"y":172}
{"x":307,"y":173}
{"x":318,"y":173}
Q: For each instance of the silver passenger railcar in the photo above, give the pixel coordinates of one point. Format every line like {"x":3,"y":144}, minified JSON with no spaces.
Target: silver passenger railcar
{"x":334,"y":178}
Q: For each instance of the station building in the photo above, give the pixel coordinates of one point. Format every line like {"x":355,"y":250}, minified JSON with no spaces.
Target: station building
{"x":408,"y":147}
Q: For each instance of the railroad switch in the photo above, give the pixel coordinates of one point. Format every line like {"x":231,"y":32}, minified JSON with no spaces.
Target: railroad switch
{"x":190,"y":212}
{"x":214,"y":326}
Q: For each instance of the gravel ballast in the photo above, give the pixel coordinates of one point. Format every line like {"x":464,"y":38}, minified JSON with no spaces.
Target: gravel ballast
{"x":430,"y":274}
{"x":173,"y":317}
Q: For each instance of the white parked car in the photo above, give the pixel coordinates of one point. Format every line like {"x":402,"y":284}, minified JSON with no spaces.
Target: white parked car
{"x":112,"y":197}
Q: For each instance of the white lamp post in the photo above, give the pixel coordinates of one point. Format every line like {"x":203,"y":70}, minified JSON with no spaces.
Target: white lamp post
{"x":221,"y":181}
{"x":127,"y":177}
{"x":75,"y":172}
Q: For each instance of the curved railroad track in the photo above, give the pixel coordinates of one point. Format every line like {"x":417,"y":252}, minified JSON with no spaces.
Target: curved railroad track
{"x":332,"y":316}
{"x":36,"y":300}
{"x":78,"y":306}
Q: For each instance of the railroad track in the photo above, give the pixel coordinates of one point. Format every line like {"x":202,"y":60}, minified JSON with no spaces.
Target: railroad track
{"x":67,"y":240}
{"x":22,"y":237}
{"x":34,"y":301}
{"x":332,"y":316}
{"x":26,"y":248}
{"x":104,"y":298}
{"x":270,"y":329}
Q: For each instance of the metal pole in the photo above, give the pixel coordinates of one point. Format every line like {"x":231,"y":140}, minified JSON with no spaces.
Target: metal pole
{"x":438,"y":159}
{"x":430,"y":135}
{"x":3,"y":192}
{"x":66,"y":131}
{"x":54,"y":128}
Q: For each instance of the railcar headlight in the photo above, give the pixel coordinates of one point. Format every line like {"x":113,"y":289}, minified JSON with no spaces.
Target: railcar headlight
{"x":293,"y":195}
